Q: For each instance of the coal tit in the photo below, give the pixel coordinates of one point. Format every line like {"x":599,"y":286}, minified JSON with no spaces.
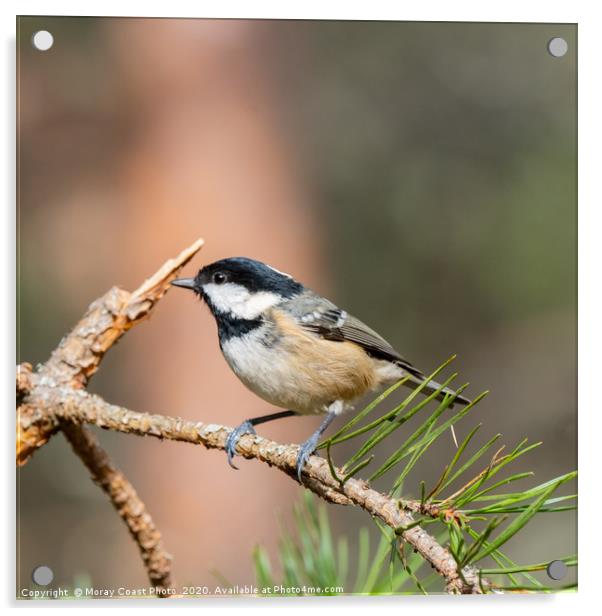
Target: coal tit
{"x":294,"y":348}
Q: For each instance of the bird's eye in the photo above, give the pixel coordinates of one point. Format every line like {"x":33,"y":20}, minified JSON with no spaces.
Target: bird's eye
{"x":219,"y":277}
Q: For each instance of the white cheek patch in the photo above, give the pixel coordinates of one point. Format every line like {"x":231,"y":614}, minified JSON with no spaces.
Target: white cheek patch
{"x":238,"y":301}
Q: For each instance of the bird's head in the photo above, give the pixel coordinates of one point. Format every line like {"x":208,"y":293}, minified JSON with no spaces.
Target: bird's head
{"x":241,"y":288}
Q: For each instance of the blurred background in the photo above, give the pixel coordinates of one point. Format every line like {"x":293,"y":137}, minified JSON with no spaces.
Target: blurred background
{"x":422,"y":175}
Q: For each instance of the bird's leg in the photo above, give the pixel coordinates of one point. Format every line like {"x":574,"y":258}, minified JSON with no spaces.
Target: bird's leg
{"x":247,"y":427}
{"x":311,"y":443}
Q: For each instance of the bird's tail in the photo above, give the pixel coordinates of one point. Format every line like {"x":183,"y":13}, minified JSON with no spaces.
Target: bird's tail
{"x":432,"y":386}
{"x":418,"y":378}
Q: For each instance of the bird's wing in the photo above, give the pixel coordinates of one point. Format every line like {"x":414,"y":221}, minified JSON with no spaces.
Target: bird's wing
{"x":332,"y":323}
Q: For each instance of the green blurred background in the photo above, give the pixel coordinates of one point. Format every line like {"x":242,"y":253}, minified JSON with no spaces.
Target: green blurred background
{"x":422,"y":175}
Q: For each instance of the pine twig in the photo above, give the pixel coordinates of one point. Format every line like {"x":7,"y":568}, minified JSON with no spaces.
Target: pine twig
{"x":79,"y":407}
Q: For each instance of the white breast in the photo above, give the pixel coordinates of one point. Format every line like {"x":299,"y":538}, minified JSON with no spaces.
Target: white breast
{"x":267,"y":372}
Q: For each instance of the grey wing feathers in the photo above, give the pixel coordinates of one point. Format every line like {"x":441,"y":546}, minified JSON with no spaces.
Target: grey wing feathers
{"x":326,"y":319}
{"x":356,"y":331}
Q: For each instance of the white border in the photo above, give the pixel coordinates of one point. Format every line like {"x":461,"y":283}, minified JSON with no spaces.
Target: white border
{"x":587,"y":15}
{"x":435,"y":10}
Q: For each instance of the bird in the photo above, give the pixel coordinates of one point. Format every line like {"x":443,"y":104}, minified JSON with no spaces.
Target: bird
{"x":296,"y":349}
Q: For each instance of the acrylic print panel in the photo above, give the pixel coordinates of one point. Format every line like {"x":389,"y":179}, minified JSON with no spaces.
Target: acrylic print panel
{"x":420,"y":176}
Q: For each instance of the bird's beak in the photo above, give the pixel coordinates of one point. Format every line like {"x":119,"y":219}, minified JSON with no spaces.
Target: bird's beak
{"x":185,"y":283}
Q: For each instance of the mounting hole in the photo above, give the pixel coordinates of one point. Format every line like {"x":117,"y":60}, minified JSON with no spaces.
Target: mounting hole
{"x":558,"y":47}
{"x":42,"y":40}
{"x":42,"y":575}
{"x":557,"y":569}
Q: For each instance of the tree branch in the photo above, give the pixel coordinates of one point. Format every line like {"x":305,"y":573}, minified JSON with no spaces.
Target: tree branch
{"x":53,"y":398}
{"x":70,"y":366}
{"x":127,"y":503}
{"x":79,"y":354}
{"x":65,"y":404}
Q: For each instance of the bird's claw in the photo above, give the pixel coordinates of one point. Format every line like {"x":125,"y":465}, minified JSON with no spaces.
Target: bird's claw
{"x":305,"y":451}
{"x":246,"y":427}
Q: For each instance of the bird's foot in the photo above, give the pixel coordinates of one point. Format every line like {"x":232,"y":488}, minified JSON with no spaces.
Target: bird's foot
{"x":246,"y":427}
{"x":305,"y":451}
{"x":311,"y":443}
